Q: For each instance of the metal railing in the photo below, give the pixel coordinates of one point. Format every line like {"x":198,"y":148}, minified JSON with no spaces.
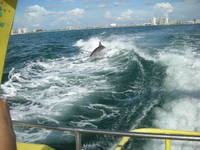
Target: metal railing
{"x":189,"y":136}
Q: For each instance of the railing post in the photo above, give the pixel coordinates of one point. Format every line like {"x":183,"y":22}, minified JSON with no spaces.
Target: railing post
{"x":78,"y":140}
{"x":167,"y":144}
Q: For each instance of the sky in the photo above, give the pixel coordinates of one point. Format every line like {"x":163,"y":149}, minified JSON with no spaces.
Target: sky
{"x":59,"y":14}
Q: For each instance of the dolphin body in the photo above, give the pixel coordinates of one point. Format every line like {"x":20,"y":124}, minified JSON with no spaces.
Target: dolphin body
{"x":98,"y":51}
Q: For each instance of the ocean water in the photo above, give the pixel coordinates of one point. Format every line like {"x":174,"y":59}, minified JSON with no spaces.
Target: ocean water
{"x":148,"y":77}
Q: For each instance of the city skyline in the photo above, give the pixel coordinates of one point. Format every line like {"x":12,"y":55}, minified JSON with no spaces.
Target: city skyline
{"x":52,"y":14}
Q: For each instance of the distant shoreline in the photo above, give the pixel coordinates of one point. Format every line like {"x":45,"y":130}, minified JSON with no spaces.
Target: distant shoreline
{"x":100,"y":27}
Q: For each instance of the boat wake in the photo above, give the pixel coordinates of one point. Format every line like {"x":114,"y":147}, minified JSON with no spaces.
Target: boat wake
{"x":134,"y":85}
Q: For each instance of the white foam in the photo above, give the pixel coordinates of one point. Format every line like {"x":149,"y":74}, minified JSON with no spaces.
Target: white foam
{"x":48,"y":89}
{"x":183,"y":71}
{"x":115,"y":45}
{"x":180,"y":114}
{"x":181,"y":110}
{"x":103,"y":111}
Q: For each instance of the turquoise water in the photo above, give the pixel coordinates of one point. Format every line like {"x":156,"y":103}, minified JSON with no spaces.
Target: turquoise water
{"x":148,"y":77}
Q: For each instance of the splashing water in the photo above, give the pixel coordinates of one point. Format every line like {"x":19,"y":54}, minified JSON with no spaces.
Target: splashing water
{"x":148,"y":77}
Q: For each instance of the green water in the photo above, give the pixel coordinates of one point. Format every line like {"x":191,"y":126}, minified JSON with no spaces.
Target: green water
{"x":148,"y":77}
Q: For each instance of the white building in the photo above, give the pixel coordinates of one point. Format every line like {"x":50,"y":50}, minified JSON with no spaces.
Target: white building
{"x":196,"y":21}
{"x":21,"y":31}
{"x":162,"y":21}
{"x":159,"y":21}
{"x":153,"y":21}
{"x":113,"y":24}
{"x":24,"y":30}
{"x":166,"y":20}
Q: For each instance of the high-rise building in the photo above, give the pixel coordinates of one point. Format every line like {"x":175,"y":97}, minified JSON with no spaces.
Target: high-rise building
{"x":196,"y":21}
{"x":24,"y":30}
{"x":153,"y":21}
{"x":113,"y":24}
{"x":21,"y":31}
{"x":166,"y":20}
{"x":161,"y":21}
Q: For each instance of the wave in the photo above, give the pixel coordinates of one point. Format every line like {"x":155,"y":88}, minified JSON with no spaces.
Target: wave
{"x":132,"y":86}
{"x":180,"y":109}
{"x":58,"y":91}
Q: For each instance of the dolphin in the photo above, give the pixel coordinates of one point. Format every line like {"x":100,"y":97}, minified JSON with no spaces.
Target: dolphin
{"x":97,"y":51}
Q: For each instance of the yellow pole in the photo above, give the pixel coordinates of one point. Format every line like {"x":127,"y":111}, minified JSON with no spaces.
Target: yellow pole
{"x":124,"y":140}
{"x":167,"y":144}
{"x":7,"y":12}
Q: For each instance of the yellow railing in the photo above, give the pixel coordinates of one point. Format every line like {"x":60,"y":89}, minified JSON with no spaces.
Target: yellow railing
{"x":124,"y":140}
{"x":28,"y":146}
{"x":166,"y":135}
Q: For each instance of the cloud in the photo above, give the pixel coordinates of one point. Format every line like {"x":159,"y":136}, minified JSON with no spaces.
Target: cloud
{"x":164,"y":7}
{"x":108,"y":14}
{"x":36,"y":11}
{"x":120,"y":17}
{"x":39,"y":11}
{"x":36,"y":25}
{"x":97,"y":3}
{"x":101,"y":6}
{"x":126,"y":15}
{"x":149,"y":3}
{"x":116,"y":4}
{"x":76,"y":12}
{"x":56,"y":6}
{"x":186,"y":10}
{"x":44,"y":18}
